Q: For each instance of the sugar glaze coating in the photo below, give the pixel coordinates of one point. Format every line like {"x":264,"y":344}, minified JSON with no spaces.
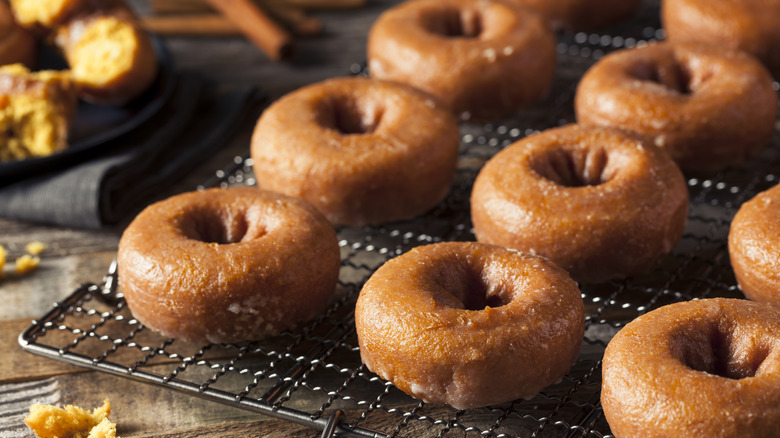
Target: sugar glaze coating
{"x":228,"y":265}
{"x":469,"y":324}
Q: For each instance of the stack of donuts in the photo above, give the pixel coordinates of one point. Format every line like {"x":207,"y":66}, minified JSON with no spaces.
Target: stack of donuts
{"x":603,"y":199}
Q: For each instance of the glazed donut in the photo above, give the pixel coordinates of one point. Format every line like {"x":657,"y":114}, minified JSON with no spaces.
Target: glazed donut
{"x":706,"y":107}
{"x":754,"y":247}
{"x":362,"y":151}
{"x":227,"y":265}
{"x":597,"y":201}
{"x":111,"y":57}
{"x":577,"y":15}
{"x":484,"y":58}
{"x":17,"y":45}
{"x":748,"y":25}
{"x":469,"y":324}
{"x":693,"y":369}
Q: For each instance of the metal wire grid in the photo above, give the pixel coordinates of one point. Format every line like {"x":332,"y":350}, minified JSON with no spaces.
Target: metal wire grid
{"x":314,"y":376}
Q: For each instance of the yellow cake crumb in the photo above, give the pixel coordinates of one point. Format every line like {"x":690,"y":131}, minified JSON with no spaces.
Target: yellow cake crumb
{"x":105,"y":51}
{"x":2,"y":260}
{"x":35,"y":248}
{"x":104,"y":429}
{"x":41,"y":12}
{"x":36,"y":110}
{"x":71,"y":422}
{"x":26,"y":264}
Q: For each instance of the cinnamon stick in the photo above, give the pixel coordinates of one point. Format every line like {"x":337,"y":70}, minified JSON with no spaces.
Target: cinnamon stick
{"x":202,"y":6}
{"x":294,"y":19}
{"x":320,"y":4}
{"x":191,"y":25}
{"x":211,"y":24}
{"x":163,"y":7}
{"x":257,"y":26}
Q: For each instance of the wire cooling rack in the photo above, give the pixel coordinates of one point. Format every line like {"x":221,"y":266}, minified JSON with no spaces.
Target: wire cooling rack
{"x":314,"y":376}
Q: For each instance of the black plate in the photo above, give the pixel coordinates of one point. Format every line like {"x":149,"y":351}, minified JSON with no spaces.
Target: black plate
{"x":96,"y":125}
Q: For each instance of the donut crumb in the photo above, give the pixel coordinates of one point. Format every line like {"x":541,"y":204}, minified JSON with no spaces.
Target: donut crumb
{"x":26,"y":264}
{"x":35,"y":247}
{"x":71,"y":421}
{"x":2,"y":260}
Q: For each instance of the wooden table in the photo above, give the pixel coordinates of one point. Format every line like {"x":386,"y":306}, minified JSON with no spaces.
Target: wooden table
{"x":77,"y":256}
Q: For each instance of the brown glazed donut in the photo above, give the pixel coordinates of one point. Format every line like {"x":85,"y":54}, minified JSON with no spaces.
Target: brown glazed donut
{"x":469,"y":324}
{"x":362,"y":151}
{"x":17,"y":45}
{"x":597,"y":201}
{"x":484,"y":58}
{"x":707,"y":107}
{"x":754,"y":247}
{"x":574,"y":15}
{"x":227,"y":265}
{"x":694,"y":369}
{"x":748,"y":25}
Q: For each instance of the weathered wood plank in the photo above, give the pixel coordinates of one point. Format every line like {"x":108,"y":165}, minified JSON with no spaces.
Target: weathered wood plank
{"x":33,"y":294}
{"x":269,"y":429}
{"x":17,"y":365}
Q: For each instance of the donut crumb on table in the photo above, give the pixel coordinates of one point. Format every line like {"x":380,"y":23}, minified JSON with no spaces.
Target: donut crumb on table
{"x":35,"y":247}
{"x":71,"y":421}
{"x":26,"y":263}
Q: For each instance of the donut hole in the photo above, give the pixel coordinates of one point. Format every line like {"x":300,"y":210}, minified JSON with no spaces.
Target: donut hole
{"x":573,"y":167}
{"x":480,"y":296}
{"x":674,"y":76}
{"x":220,"y":227}
{"x":724,"y":352}
{"x":350,"y":115}
{"x":465,"y":284}
{"x":454,"y":23}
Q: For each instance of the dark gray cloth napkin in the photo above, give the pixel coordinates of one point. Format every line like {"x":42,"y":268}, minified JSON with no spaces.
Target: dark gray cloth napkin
{"x":105,"y":189}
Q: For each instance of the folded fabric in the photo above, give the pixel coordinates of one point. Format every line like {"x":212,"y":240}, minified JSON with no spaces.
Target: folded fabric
{"x":105,"y":189}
